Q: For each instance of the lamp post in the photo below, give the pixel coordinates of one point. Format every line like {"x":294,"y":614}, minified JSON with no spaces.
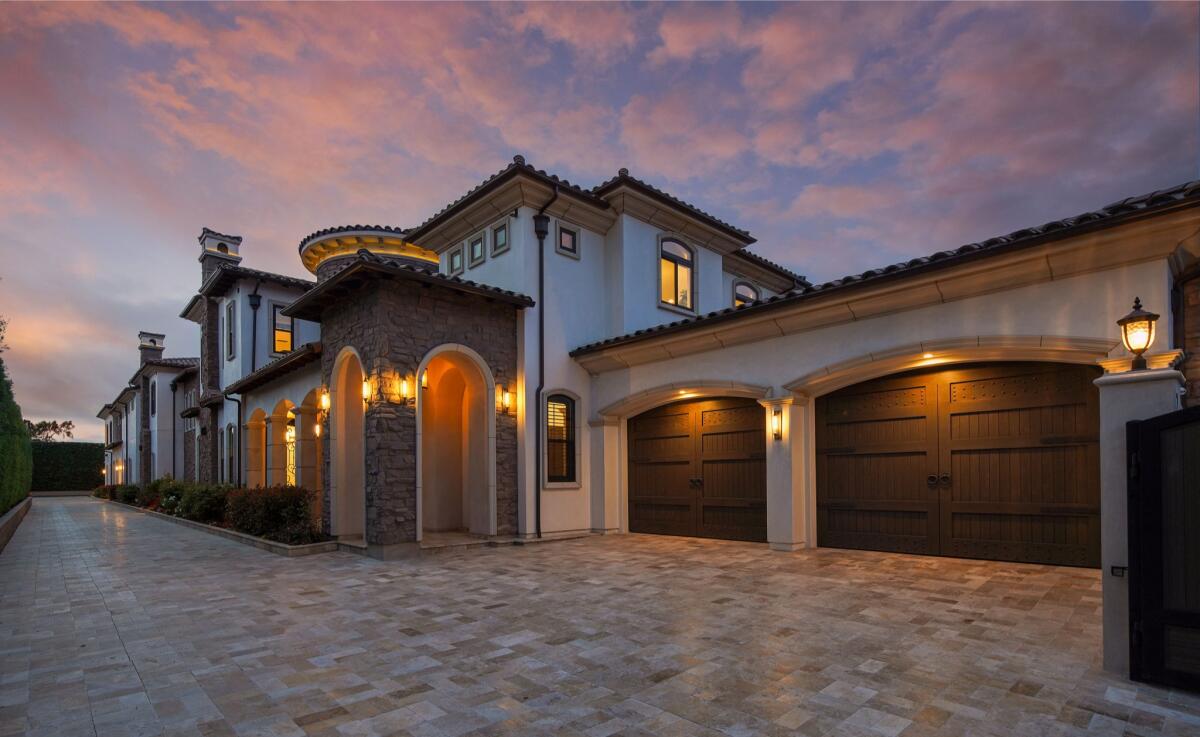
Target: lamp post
{"x":1137,"y":332}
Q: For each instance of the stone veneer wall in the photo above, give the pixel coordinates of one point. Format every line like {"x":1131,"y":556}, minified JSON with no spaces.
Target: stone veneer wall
{"x":393,"y":325}
{"x":1189,"y":321}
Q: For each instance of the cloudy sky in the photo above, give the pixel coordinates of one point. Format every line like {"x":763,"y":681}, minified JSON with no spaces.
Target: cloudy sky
{"x":843,"y":136}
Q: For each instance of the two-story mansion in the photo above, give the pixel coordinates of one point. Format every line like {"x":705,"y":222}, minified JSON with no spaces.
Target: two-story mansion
{"x":543,"y":359}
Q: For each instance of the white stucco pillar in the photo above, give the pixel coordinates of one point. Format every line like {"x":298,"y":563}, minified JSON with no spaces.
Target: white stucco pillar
{"x":605,"y":475}
{"x":1131,"y":395}
{"x":786,"y":467}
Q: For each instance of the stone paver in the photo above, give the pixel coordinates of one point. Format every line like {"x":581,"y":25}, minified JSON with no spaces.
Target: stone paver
{"x":113,"y":623}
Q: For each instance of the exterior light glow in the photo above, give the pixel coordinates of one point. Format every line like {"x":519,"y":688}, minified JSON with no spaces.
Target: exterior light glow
{"x":317,"y":430}
{"x":404,"y":388}
{"x":325,"y":400}
{"x":425,"y":379}
{"x":927,"y":355}
{"x":777,"y":423}
{"x":1137,"y":333}
{"x":366,"y":390}
{"x":506,"y":400}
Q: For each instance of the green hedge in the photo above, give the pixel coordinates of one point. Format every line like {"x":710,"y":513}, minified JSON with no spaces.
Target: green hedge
{"x":66,"y":466}
{"x":16,"y":458}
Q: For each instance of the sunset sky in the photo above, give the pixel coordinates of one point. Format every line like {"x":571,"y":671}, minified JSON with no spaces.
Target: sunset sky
{"x":844,"y":137}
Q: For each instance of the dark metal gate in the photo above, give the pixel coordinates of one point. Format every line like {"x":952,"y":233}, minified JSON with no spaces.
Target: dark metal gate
{"x":1164,"y":549}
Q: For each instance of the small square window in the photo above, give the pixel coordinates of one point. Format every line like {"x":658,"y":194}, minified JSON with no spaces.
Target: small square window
{"x":568,"y":242}
{"x":476,"y":250}
{"x":500,"y":239}
{"x":456,"y":261}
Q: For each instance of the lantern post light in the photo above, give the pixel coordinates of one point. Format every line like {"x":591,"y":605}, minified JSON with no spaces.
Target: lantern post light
{"x":1137,"y":333}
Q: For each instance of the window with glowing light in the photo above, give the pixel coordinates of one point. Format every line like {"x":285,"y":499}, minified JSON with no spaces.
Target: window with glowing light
{"x":281,"y":330}
{"x":676,"y":274}
{"x":744,"y":294}
{"x":560,"y":439}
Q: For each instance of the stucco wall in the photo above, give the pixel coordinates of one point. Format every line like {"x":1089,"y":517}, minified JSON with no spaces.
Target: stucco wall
{"x":393,"y":325}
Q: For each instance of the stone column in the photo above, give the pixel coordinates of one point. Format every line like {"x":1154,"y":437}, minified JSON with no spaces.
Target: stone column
{"x":308,"y":466}
{"x":786,"y":467}
{"x":276,"y":450}
{"x":1131,"y":395}
{"x":606,"y":475}
{"x":253,"y":433}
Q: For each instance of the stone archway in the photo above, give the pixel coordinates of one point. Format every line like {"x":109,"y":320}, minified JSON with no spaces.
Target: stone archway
{"x":348,"y":505}
{"x":456,"y":443}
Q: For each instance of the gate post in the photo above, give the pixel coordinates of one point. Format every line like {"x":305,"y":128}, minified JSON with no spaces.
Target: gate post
{"x":786,"y":466}
{"x":1126,"y":396}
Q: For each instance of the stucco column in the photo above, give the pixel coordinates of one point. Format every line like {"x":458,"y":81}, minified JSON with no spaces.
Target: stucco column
{"x":307,"y":458}
{"x":606,"y":475}
{"x":1131,"y":395}
{"x":253,"y":433}
{"x":786,"y":466}
{"x":276,"y":450}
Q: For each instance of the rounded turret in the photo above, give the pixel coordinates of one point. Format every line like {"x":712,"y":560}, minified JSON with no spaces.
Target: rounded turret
{"x":328,"y":251}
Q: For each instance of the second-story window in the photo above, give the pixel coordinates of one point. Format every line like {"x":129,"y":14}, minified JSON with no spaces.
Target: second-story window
{"x":744,"y":294}
{"x":230,"y":326}
{"x":456,"y":261}
{"x":153,"y":398}
{"x":568,"y":241}
{"x":676,"y":274}
{"x":475,"y":250}
{"x":500,"y":239}
{"x":281,"y":330}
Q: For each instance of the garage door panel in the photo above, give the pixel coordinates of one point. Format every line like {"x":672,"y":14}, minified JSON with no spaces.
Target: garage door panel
{"x":1014,"y":452}
{"x":736,"y":442}
{"x":662,"y":518}
{"x":733,"y":522}
{"x":888,"y":530}
{"x":661,"y":479}
{"x":657,"y":448}
{"x":735,"y":479}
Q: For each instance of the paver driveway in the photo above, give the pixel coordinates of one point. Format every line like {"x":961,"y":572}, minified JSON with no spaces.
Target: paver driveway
{"x":113,"y":623}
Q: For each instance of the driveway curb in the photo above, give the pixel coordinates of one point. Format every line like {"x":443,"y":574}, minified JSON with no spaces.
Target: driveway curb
{"x":12,"y":520}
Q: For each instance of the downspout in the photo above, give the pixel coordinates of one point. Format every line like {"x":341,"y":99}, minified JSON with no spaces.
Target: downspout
{"x":541,"y":227}
{"x":174,"y":419}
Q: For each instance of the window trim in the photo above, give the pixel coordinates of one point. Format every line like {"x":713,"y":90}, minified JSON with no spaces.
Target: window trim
{"x":744,"y":283}
{"x":276,"y":307}
{"x":576,"y":429}
{"x":154,"y":397}
{"x":576,"y":232}
{"x":230,"y":330}
{"x":507,"y":237}
{"x":663,"y":305}
{"x":481,"y":238}
{"x":457,"y":250}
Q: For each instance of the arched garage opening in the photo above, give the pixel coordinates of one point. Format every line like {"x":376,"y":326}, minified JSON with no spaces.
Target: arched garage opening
{"x":997,"y":461}
{"x":697,"y":467}
{"x":348,"y":506}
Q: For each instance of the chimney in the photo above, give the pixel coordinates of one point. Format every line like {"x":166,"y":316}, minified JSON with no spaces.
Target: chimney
{"x":217,"y":249}
{"x":150,"y":346}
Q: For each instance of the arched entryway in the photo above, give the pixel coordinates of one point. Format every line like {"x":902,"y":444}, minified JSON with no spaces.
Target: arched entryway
{"x":348,"y":461}
{"x":256,"y":449}
{"x":281,"y":445}
{"x":697,"y":467}
{"x":996,"y":461}
{"x":456,"y":443}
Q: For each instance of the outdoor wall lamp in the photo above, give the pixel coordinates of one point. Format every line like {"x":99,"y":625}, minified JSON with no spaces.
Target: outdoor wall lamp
{"x":404,"y":388}
{"x":324,"y":400}
{"x":777,"y":423}
{"x":505,"y":399}
{"x":1137,"y":333}
{"x":317,"y":430}
{"x":366,"y":390}
{"x":425,"y":378}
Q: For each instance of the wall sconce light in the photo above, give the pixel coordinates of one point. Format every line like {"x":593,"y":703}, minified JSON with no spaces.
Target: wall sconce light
{"x":404,"y":388}
{"x":317,"y":430}
{"x":425,"y":378}
{"x":505,"y":399}
{"x":324,"y":400}
{"x":1137,"y":333}
{"x":103,"y":471}
{"x":366,"y":390}
{"x":777,"y":423}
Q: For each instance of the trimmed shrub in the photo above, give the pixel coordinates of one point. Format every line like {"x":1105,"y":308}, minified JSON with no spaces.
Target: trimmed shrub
{"x":202,"y":503}
{"x":126,"y":494}
{"x":16,"y":456}
{"x":104,"y":492}
{"x":66,"y":466}
{"x":279,"y":513}
{"x":171,"y":493}
{"x":147,"y":496}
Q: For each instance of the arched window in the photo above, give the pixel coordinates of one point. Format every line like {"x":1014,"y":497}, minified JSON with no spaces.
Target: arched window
{"x":560,"y":439}
{"x":676,"y":274}
{"x":744,"y":293}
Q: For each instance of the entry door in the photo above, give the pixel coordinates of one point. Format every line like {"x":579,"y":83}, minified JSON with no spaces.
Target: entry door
{"x":997,"y":462}
{"x":698,"y":468}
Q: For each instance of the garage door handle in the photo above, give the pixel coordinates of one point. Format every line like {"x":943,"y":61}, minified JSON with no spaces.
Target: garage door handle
{"x":696,"y":482}
{"x":945,"y":479}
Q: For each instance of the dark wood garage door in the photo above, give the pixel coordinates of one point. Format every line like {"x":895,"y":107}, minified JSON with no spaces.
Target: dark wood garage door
{"x":998,"y":462}
{"x":697,"y":468}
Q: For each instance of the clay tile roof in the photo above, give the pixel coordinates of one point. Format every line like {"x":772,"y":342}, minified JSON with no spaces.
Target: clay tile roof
{"x":402,"y":232}
{"x":624,"y":177}
{"x":1024,"y":237}
{"x":800,"y":279}
{"x":518,"y":165}
{"x":224,"y":277}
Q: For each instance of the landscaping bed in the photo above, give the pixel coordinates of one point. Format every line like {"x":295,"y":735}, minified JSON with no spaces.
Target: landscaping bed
{"x":279,"y":519}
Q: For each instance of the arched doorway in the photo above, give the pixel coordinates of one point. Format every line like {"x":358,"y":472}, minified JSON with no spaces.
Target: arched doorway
{"x":256,"y":449}
{"x":997,"y":461}
{"x":348,"y":508}
{"x":281,"y":445}
{"x":456,"y":444}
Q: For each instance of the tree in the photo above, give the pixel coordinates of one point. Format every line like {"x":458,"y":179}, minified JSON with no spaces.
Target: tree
{"x":50,"y":429}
